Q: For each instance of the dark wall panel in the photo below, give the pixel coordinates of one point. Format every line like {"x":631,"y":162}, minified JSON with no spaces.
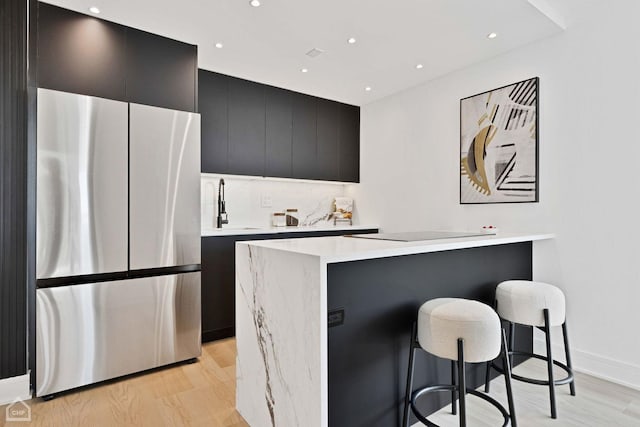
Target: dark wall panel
{"x":80,"y":54}
{"x":13,"y":187}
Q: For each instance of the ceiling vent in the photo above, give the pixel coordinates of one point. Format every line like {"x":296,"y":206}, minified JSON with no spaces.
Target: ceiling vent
{"x":314,"y":53}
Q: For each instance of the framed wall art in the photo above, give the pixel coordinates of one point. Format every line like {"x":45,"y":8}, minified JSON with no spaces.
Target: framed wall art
{"x":499,"y":145}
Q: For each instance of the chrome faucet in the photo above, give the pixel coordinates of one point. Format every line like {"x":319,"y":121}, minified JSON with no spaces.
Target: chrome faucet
{"x":221,"y":205}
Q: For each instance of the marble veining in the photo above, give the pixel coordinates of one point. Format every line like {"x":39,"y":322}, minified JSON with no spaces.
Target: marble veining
{"x":278,"y":343}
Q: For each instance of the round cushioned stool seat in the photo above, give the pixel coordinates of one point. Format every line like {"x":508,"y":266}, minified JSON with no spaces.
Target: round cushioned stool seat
{"x":523,"y":302}
{"x":442,"y":321}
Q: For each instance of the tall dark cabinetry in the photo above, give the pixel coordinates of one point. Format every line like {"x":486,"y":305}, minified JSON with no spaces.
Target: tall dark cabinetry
{"x":13,"y":188}
{"x":86,"y":55}
{"x":254,"y":129}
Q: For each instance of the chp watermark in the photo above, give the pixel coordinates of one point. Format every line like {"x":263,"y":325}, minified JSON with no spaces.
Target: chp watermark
{"x":18,"y":411}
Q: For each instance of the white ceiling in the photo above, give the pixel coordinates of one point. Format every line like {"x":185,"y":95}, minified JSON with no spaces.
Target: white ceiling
{"x":268,"y":44}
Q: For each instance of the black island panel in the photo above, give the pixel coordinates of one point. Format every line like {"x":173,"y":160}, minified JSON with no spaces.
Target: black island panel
{"x":369,"y":351}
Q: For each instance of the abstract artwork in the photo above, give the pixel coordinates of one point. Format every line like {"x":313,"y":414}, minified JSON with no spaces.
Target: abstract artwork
{"x":499,"y":145}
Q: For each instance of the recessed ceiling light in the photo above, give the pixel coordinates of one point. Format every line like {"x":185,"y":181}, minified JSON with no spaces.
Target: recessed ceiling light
{"x":219,"y":45}
{"x":255,"y":3}
{"x":94,"y":9}
{"x":419,"y":66}
{"x":351,"y":40}
{"x":368,"y":88}
{"x":492,"y":35}
{"x":304,"y":70}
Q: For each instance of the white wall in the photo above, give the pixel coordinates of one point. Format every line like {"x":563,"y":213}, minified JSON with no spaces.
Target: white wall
{"x":243,"y":196}
{"x":589,"y":171}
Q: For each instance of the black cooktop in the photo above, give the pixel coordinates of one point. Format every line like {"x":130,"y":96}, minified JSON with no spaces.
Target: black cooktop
{"x":416,"y":236}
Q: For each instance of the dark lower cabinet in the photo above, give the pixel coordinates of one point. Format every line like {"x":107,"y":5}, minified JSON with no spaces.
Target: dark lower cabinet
{"x":218,"y":278}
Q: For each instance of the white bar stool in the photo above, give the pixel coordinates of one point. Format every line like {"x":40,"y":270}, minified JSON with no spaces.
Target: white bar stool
{"x":460,"y":330}
{"x":540,"y":305}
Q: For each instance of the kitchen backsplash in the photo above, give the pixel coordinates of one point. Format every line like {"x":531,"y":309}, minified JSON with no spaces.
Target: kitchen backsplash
{"x":248,"y":200}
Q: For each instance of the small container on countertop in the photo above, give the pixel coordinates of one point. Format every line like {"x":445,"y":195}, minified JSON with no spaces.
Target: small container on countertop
{"x":292,"y":218}
{"x":278,"y":219}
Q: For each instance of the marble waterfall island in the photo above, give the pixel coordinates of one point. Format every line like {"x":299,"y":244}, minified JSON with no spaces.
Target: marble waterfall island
{"x":323,"y":324}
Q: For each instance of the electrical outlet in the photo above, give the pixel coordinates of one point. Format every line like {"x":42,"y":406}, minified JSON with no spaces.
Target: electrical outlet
{"x":266,"y":201}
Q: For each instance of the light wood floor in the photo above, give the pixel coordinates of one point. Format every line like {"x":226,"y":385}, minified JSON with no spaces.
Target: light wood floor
{"x":198,"y":394}
{"x":203,"y":394}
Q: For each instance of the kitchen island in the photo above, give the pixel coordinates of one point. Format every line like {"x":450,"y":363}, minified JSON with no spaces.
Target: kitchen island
{"x":323,"y":324}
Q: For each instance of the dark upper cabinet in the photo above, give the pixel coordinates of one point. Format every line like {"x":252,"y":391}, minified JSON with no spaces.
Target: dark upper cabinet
{"x":328,"y":113}
{"x":305,"y":137}
{"x":83,"y":54}
{"x":80,"y":54}
{"x":246,"y":108}
{"x":349,"y":143}
{"x":254,"y":129}
{"x":278,"y":132}
{"x":161,"y":71}
{"x":214,"y":121}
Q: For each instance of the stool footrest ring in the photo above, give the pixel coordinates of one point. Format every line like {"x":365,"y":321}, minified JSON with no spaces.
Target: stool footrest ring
{"x":436,"y":388}
{"x":562,"y":381}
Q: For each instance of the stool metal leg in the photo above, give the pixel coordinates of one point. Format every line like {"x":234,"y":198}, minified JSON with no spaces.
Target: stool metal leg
{"x":552,"y":390}
{"x":454,"y":410}
{"x":462,"y":384}
{"x":407,"y":397}
{"x":512,"y":340}
{"x":507,"y":380}
{"x":487,"y":377}
{"x":572,"y":384}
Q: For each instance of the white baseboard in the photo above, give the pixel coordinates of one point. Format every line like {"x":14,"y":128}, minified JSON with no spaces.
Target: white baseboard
{"x":605,"y":368}
{"x":14,"y":388}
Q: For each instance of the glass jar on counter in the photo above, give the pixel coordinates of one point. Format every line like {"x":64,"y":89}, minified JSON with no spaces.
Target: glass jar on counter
{"x":292,"y":217}
{"x":278,"y":219}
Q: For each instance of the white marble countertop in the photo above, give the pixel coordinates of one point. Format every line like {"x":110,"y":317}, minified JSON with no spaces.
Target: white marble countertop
{"x":342,"y":248}
{"x":236,"y":231}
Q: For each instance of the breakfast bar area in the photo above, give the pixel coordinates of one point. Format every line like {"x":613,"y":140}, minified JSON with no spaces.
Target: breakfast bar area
{"x":323,"y":324}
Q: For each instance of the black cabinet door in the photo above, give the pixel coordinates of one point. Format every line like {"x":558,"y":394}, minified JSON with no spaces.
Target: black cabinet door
{"x":214,"y":121}
{"x":327,"y":131}
{"x":279,"y":116}
{"x":80,"y":54}
{"x":349,"y":143}
{"x":161,"y":71}
{"x":305,"y":153}
{"x":246,"y":127}
{"x":218,"y":287}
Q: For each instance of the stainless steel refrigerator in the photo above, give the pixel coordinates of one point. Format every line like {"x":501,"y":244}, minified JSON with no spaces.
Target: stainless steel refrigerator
{"x":118,"y":239}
